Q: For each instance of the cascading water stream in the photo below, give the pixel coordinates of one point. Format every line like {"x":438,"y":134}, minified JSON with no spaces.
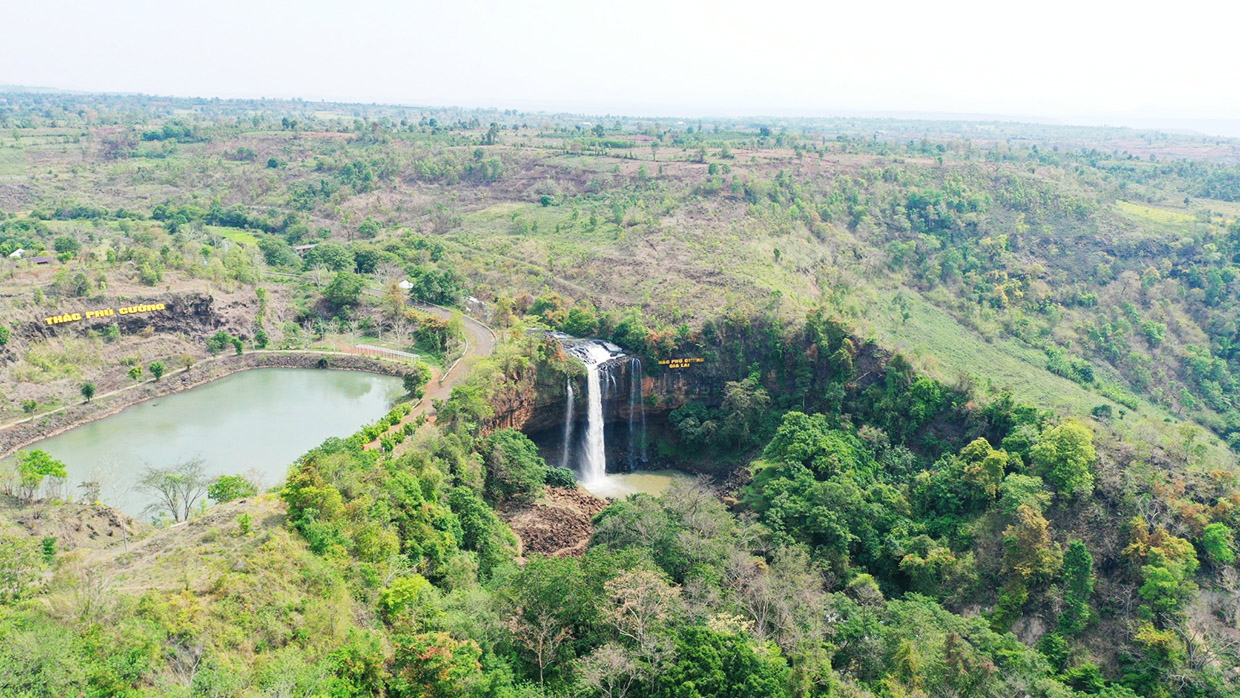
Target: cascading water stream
{"x":637,"y":415}
{"x":568,"y":427}
{"x":603,"y":384}
{"x":594,"y":464}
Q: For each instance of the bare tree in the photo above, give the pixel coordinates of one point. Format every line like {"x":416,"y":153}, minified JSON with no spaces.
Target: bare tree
{"x":542,"y":634}
{"x":389,"y":270}
{"x":318,"y":275}
{"x":609,"y":670}
{"x":176,"y":488}
{"x":642,"y":603}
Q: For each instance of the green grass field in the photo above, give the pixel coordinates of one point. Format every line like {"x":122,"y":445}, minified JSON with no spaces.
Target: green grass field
{"x":12,"y":161}
{"x":235,"y":234}
{"x":1160,"y":215}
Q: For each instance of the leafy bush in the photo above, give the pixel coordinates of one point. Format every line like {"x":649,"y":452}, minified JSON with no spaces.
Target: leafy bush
{"x":514,"y":468}
{"x":561,"y":477}
{"x":226,"y":488}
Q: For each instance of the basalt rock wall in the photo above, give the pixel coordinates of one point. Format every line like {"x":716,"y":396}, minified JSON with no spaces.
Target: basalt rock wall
{"x":540,"y":405}
{"x":195,"y":315}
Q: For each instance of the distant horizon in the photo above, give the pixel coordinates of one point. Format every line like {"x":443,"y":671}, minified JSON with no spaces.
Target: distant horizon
{"x":1062,"y":62}
{"x":1208,"y":127}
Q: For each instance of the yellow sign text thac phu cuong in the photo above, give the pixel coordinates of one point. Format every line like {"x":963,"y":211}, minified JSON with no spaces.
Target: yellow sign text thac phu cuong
{"x":104,"y":312}
{"x":681,"y":362}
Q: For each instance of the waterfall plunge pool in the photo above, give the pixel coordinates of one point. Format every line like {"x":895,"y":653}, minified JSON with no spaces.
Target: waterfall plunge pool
{"x":257,"y":421}
{"x":593,"y":438}
{"x":621,"y":485}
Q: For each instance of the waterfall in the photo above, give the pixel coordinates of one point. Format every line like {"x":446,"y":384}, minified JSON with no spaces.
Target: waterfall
{"x":637,"y":415}
{"x":594,"y":464}
{"x":568,"y":426}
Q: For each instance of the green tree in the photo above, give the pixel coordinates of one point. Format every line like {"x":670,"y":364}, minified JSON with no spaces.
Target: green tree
{"x":1029,"y":555}
{"x":157,"y":369}
{"x":481,"y":530}
{"x":547,"y":603}
{"x":581,"y":322}
{"x":416,"y":379}
{"x":368,"y":228}
{"x":217,"y":343}
{"x":277,"y":252}
{"x":332,"y":256}
{"x":809,"y":440}
{"x":226,"y":488}
{"x":1167,"y":565}
{"x":514,"y":468}
{"x":434,"y":285}
{"x":135,"y":372}
{"x":345,"y":289}
{"x":715,"y":664}
{"x":366,"y":258}
{"x":1218,"y":543}
{"x":743,"y":413}
{"x":176,"y":488}
{"x":1078,"y":585}
{"x":19,"y":568}
{"x":1064,"y":456}
{"x":411,"y":594}
{"x":984,"y":467}
{"x":35,"y":466}
{"x":66,"y":245}
{"x":88,"y":390}
{"x":435,"y":665}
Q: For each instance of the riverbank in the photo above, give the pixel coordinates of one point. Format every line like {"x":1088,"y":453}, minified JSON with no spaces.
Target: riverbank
{"x":21,"y":434}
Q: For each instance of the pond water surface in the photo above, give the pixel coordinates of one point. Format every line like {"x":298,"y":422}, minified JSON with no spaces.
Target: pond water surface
{"x":621,"y":485}
{"x":256,"y":421}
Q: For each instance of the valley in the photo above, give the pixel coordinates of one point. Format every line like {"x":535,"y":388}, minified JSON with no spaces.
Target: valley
{"x":421,"y":401}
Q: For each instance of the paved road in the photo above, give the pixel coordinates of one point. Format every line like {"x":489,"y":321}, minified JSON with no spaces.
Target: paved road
{"x":479,"y":341}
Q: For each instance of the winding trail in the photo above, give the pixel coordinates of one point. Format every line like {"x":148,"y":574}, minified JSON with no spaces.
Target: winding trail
{"x":480,"y":341}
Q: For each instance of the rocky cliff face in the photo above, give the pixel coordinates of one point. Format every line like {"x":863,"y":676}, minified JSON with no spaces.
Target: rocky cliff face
{"x":194,"y":315}
{"x":540,"y":405}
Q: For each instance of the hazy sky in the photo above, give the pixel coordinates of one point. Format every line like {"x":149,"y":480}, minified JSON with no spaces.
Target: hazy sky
{"x":1076,"y":60}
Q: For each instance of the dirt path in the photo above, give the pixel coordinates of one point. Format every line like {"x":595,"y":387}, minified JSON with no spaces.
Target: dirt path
{"x":480,"y":341}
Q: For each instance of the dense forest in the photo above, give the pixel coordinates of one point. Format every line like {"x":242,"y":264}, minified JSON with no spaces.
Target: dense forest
{"x":965,"y":423}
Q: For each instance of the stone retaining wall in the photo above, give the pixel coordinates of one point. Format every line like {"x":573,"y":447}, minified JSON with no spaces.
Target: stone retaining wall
{"x":26,"y":433}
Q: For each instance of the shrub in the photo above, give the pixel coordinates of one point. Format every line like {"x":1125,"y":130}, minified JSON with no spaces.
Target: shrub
{"x":1217,"y":542}
{"x":226,"y":488}
{"x":561,"y":477}
{"x":415,"y":381}
{"x":514,"y":468}
{"x":1064,"y":457}
{"x":406,"y":594}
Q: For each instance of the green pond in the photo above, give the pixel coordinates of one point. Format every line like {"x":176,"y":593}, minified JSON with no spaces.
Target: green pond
{"x":256,"y":422}
{"x":621,"y":485}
